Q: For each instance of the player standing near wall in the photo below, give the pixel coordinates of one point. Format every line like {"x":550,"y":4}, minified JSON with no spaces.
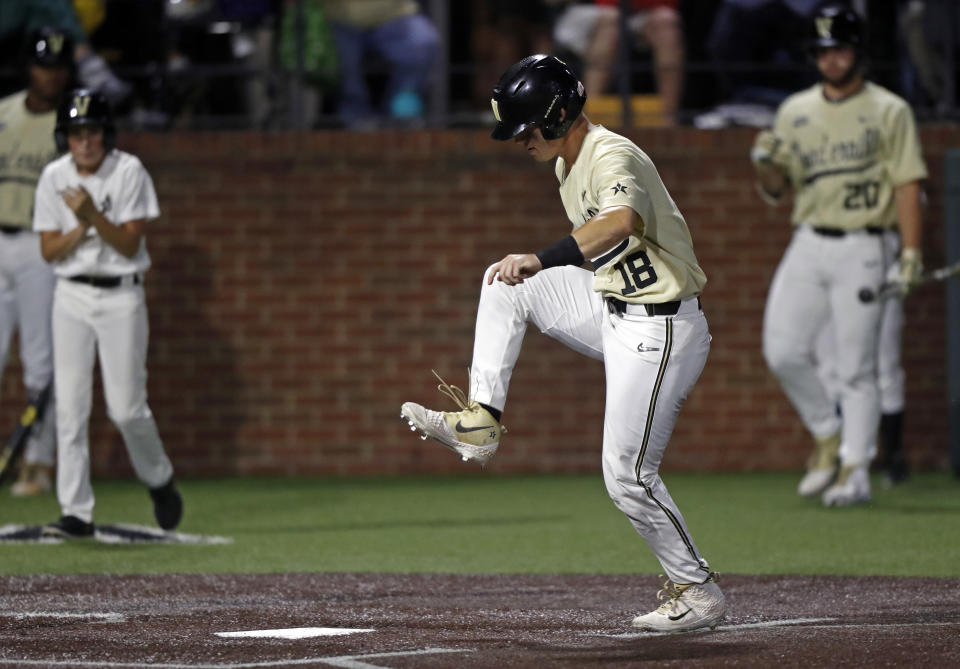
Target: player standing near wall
{"x":849,"y":148}
{"x":27,"y":120}
{"x":92,"y":206}
{"x":638,"y":311}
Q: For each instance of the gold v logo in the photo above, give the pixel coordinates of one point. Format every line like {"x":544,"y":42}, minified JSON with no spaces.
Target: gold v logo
{"x":823,"y":24}
{"x":82,"y":104}
{"x":496,"y":110}
{"x":56,"y":43}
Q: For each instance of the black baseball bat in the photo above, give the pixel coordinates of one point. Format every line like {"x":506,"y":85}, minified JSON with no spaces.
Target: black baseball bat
{"x":892,"y":288}
{"x":18,"y":440}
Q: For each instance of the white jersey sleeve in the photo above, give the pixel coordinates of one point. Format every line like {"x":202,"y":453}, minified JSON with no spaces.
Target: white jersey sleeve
{"x":904,"y":158}
{"x":140,"y":197}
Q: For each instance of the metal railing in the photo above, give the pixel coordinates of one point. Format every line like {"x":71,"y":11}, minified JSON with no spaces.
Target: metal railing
{"x":284,"y":94}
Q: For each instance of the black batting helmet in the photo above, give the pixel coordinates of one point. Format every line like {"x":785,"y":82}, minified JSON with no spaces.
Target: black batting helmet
{"x":836,"y":25}
{"x":50,"y":47}
{"x":82,"y":106}
{"x":532,"y":93}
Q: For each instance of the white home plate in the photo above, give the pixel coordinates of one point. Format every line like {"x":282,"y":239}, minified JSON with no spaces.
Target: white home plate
{"x":294,"y":632}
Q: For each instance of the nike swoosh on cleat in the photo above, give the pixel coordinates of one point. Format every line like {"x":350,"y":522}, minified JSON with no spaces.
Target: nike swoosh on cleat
{"x":680,"y":616}
{"x":461,"y":428}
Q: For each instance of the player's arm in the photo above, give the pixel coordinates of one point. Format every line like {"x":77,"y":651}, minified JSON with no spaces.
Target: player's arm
{"x":55,"y":245}
{"x":599,"y":234}
{"x":907,"y":197}
{"x":772,"y":179}
{"x":910,"y":220}
{"x":125,"y":238}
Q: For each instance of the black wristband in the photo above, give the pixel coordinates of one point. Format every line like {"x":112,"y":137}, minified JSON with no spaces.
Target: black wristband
{"x":564,"y":252}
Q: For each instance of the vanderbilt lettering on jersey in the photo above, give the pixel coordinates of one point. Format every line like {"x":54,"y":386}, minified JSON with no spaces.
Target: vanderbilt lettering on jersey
{"x":845,"y":158}
{"x":654,"y":264}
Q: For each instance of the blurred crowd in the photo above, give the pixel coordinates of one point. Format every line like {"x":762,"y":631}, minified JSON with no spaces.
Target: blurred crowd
{"x":364,"y":64}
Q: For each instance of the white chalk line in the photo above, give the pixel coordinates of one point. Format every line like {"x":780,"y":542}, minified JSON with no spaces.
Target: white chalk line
{"x":807,"y":623}
{"x":104,"y":617}
{"x":294,"y":633}
{"x":342,"y":661}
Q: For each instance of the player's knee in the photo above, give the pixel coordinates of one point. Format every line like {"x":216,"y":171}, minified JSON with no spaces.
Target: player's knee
{"x":780,"y":356}
{"x":129,"y":414}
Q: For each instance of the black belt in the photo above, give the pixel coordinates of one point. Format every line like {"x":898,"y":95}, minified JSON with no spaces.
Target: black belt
{"x":102,"y":281}
{"x":837,"y":232}
{"x":11,"y":229}
{"x":658,"y":309}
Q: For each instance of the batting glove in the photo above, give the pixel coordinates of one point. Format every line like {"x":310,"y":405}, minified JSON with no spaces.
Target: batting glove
{"x":905,"y":274}
{"x":765,"y":147}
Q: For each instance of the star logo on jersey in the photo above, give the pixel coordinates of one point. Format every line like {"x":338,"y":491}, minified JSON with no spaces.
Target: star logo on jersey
{"x":105,"y":205}
{"x":619,"y":189}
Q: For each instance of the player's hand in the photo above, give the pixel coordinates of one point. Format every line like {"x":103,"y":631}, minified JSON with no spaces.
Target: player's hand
{"x":515,"y":268}
{"x":910,"y":269}
{"x":765,"y":147}
{"x":80,"y":203}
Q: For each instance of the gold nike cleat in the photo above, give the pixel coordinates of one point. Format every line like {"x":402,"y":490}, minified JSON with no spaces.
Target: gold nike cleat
{"x":822,"y":466}
{"x":685,"y":608}
{"x":852,"y":487}
{"x":472,"y":433}
{"x":33,"y":480}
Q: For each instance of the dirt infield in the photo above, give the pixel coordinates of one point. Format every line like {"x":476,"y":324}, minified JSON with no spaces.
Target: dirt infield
{"x":467,"y":621}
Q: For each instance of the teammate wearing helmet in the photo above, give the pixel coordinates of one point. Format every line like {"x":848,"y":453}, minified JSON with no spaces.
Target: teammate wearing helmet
{"x":638,"y":311}
{"x":27,"y":119}
{"x":92,"y":209}
{"x":849,"y":149}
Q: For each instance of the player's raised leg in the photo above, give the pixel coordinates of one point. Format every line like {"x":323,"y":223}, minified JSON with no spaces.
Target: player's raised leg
{"x":561,"y":302}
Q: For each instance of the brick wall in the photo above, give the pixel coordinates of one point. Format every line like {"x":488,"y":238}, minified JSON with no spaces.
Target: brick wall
{"x":305,"y":285}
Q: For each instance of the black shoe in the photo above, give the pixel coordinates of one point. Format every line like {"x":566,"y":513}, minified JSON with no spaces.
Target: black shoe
{"x":167,"y":505}
{"x":68,"y":527}
{"x":897,"y":468}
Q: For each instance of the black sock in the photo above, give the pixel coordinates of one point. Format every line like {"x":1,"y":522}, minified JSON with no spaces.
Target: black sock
{"x":891,"y":435}
{"x":496,"y":413}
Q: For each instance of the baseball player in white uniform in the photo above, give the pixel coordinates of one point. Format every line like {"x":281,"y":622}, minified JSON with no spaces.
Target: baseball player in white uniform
{"x":92,"y":207}
{"x":27,"y":119}
{"x":638,"y":312}
{"x":849,"y":149}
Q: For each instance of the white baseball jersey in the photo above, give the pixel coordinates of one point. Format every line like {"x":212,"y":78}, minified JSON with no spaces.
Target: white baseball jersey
{"x":844,"y":158}
{"x":121,"y":190}
{"x":654,"y":264}
{"x":26,"y":146}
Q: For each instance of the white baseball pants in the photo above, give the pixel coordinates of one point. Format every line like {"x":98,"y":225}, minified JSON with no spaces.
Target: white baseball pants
{"x":816,"y":287}
{"x":652,"y":363}
{"x":26,"y":299}
{"x":110,"y":323}
{"x":890,"y":374}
